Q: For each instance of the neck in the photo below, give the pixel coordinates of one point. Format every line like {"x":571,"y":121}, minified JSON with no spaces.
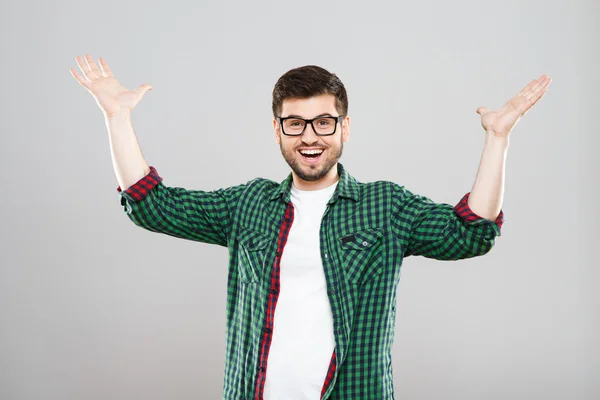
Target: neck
{"x":326,"y":181}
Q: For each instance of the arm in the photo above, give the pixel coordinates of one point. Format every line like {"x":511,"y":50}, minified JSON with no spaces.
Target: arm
{"x":487,"y":193}
{"x":189,"y":214}
{"x":128,"y":162}
{"x":203,"y":216}
{"x":469,"y":228}
{"x":488,"y":190}
{"x":116,"y":102}
{"x":439,"y":230}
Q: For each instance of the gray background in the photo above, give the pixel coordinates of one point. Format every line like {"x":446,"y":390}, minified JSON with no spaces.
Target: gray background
{"x":93,"y":307}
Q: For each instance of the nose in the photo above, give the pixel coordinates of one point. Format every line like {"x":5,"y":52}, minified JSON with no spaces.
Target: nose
{"x":309,"y":136}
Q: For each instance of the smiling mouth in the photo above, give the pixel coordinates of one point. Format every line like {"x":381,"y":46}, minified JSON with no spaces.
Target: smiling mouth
{"x":311,"y":154}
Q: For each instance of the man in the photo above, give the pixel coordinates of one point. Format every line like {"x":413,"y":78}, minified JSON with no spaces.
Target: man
{"x":314,"y":260}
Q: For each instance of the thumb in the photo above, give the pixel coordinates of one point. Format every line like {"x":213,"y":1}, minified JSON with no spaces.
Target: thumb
{"x":140,"y":91}
{"x":482,"y":110}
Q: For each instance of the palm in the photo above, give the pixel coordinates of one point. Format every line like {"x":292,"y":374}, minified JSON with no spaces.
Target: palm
{"x":110,"y":95}
{"x":502,"y":121}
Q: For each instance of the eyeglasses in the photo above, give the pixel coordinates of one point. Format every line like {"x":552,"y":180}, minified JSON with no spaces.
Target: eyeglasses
{"x":322,"y":126}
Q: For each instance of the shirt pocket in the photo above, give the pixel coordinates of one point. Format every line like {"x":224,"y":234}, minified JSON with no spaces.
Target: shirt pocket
{"x":361,"y":255}
{"x":252,"y":253}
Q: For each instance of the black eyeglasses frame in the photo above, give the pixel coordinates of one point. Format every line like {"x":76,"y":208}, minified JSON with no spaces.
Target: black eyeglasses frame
{"x":310,"y":121}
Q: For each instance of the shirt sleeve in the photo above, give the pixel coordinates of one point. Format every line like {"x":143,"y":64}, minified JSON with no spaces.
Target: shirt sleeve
{"x":442,"y":231}
{"x":198,"y":215}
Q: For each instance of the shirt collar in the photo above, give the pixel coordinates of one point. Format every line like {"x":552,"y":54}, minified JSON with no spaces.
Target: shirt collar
{"x":347,"y":187}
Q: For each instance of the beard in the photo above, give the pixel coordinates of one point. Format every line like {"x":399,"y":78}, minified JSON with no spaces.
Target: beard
{"x":312,"y":172}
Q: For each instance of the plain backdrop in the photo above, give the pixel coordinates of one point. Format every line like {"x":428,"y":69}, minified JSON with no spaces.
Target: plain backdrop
{"x":93,"y":307}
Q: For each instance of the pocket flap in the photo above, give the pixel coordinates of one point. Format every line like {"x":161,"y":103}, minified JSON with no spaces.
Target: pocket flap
{"x":361,"y":240}
{"x":252,"y":240}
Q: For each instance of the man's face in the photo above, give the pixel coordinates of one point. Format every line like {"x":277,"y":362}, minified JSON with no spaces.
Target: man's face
{"x":306,"y":167}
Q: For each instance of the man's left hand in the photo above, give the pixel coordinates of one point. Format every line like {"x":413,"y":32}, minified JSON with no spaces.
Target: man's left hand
{"x":501,"y":122}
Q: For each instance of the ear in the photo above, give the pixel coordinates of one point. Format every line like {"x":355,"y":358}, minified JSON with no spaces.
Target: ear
{"x":276,"y":129}
{"x":346,"y":128}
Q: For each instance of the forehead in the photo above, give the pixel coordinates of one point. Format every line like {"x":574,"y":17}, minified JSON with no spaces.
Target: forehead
{"x":310,"y":107}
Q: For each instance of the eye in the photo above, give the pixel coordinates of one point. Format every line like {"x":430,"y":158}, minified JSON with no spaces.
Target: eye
{"x":294,"y":123}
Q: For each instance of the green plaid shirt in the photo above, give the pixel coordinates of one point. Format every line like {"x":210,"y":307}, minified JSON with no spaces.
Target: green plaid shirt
{"x":366,"y":231}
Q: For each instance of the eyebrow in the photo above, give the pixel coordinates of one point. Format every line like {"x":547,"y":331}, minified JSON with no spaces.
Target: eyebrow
{"x":298,"y":116}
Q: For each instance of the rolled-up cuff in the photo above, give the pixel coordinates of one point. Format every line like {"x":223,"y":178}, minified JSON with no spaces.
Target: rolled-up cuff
{"x":463,"y":210}
{"x":141,"y":188}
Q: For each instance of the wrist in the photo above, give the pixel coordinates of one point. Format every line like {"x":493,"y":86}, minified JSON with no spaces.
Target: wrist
{"x":496,"y":141}
{"x":120,"y":115}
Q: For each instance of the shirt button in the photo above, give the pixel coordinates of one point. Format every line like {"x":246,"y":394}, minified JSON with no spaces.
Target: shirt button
{"x":325,"y":255}
{"x":261,"y":369}
{"x":365,"y":243}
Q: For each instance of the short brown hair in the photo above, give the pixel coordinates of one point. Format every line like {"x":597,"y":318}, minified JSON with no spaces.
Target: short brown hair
{"x":308,"y":81}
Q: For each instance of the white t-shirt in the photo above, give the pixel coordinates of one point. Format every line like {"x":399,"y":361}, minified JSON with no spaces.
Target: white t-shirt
{"x":302,"y":341}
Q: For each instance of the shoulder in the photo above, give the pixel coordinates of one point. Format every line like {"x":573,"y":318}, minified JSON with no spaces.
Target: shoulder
{"x":382,"y":187}
{"x":258,"y":189}
{"x":391,"y":196}
{"x":256,"y":184}
{"x":263,"y":185}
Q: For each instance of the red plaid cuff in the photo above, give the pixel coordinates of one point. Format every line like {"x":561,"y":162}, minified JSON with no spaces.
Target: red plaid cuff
{"x":140,"y":189}
{"x":463,"y":210}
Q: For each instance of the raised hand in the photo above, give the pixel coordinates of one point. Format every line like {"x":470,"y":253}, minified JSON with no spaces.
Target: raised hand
{"x":502,"y":121}
{"x":110,"y":95}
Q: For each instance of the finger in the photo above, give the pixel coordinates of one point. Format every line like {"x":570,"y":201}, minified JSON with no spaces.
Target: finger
{"x":85,"y":69}
{"x":545,"y":82}
{"x":529,"y":103}
{"x":542,"y":82}
{"x":533,"y":86}
{"x":538,"y":83}
{"x":106,"y":71}
{"x":538,"y":90}
{"x":527,"y":88}
{"x":538,"y":95}
{"x":79,"y":78}
{"x":142,"y":89}
{"x":93,"y":67}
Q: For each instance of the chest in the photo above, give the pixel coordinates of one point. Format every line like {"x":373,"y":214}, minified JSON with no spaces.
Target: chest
{"x":349,"y":239}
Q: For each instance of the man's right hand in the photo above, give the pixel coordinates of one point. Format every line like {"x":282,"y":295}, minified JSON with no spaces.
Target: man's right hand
{"x":111,"y":96}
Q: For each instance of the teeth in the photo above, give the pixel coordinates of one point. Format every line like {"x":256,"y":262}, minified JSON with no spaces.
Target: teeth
{"x":311,"y":151}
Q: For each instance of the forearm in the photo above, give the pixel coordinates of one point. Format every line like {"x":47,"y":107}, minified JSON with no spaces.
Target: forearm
{"x":488,"y":190}
{"x":128,"y":161}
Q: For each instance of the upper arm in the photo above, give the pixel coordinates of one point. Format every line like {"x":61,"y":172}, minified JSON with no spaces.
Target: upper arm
{"x":439,"y":230}
{"x":203,"y":216}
